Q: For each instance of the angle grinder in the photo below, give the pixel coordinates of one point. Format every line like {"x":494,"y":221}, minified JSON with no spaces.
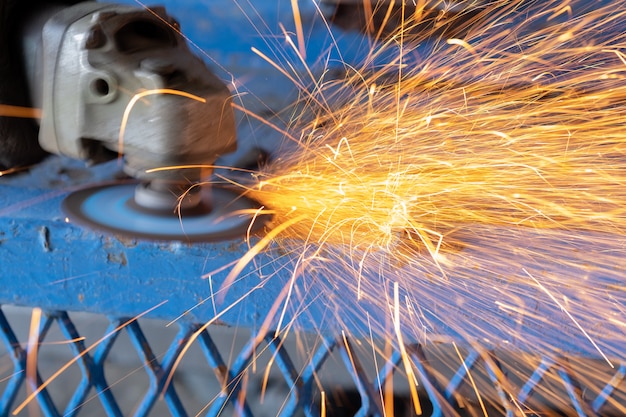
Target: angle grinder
{"x":118,"y":81}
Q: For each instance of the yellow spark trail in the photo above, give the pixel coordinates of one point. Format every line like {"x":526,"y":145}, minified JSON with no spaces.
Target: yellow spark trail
{"x":468,"y":162}
{"x":500,"y":153}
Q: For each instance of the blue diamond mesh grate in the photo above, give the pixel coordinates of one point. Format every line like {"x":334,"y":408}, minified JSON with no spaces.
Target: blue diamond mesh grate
{"x":440,"y":393}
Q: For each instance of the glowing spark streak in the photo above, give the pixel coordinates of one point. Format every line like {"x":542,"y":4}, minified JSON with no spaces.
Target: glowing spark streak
{"x":383,"y":391}
{"x":469,"y":375}
{"x":618,"y":322}
{"x":299,"y":32}
{"x":336,"y":152}
{"x":254,"y":343}
{"x":218,"y":270}
{"x":63,"y":280}
{"x":195,"y":166}
{"x":7,"y":110}
{"x":384,"y":21}
{"x":298,"y":54}
{"x":212,"y":296}
{"x":466,"y":46}
{"x":297,"y":83}
{"x":387,"y":394}
{"x":368,"y":12}
{"x":516,"y":404}
{"x":405,"y":357}
{"x":420,"y":5}
{"x":359,"y":279}
{"x":266,"y":377}
{"x":33,"y":349}
{"x":463,"y":44}
{"x":6,"y":378}
{"x":565,"y":9}
{"x":208,"y":276}
{"x":258,"y":212}
{"x":619,"y":54}
{"x":13,"y":170}
{"x":242,"y":394}
{"x":254,"y":251}
{"x":64,"y":342}
{"x":195,"y":335}
{"x":350,"y":356}
{"x":140,"y":96}
{"x":399,"y":83}
{"x":502,"y":135}
{"x":292,"y":282}
{"x":433,"y":250}
{"x":323,"y":404}
{"x":77,"y":357}
{"x":329,"y":32}
{"x":500,"y":381}
{"x":189,"y":40}
{"x":265,"y":122}
{"x":462,"y":106}
{"x":544,"y":289}
{"x":110,"y":387}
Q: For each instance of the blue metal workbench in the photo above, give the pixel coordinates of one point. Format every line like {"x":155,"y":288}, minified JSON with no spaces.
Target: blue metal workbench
{"x":48,"y":263}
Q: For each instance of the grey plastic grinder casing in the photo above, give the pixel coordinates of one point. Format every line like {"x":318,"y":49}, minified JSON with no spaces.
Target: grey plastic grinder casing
{"x":91,"y":61}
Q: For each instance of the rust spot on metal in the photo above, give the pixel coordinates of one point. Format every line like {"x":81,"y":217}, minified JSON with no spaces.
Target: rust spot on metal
{"x":117,"y":258}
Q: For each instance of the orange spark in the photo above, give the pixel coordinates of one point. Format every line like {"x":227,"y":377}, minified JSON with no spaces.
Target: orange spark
{"x":18,"y":111}
{"x":496,"y":154}
{"x":141,"y":95}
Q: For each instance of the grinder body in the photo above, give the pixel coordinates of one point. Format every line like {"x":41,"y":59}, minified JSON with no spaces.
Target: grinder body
{"x":116,"y":80}
{"x":86,"y":63}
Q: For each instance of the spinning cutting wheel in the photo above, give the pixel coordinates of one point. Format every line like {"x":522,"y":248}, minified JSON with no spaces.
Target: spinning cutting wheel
{"x":209,"y":215}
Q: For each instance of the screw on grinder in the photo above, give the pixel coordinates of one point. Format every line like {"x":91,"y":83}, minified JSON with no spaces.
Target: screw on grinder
{"x":116,"y":80}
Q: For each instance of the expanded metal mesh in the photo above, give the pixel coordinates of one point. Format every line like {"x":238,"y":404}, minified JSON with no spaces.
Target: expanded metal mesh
{"x":240,"y":382}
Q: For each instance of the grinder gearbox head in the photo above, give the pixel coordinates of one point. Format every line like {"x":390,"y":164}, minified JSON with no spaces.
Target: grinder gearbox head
{"x":103,"y":69}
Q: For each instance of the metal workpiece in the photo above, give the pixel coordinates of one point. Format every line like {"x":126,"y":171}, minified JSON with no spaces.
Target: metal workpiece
{"x":117,"y":80}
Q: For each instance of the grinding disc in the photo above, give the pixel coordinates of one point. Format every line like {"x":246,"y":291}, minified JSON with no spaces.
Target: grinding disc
{"x":223,"y":215}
